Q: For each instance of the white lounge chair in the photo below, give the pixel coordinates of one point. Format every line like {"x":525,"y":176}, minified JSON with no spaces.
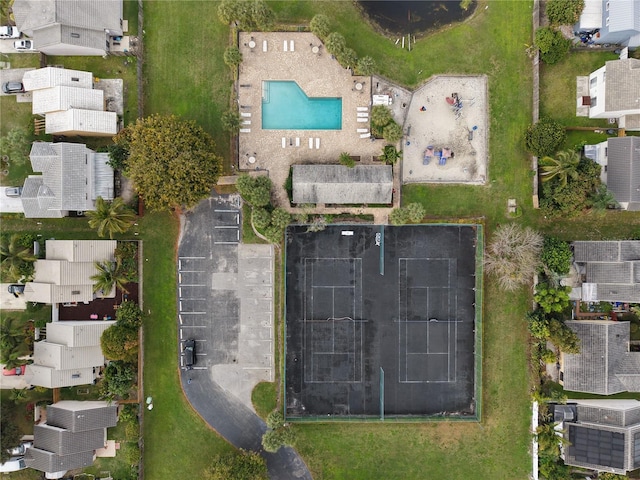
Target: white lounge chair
{"x":246,"y":122}
{"x":292,"y":47}
{"x":365,"y":135}
{"x":245,"y":114}
{"x":317,"y":143}
{"x":264,"y":45}
{"x":297,"y":141}
{"x":363,"y":109}
{"x":286,"y":45}
{"x":362,"y":120}
{"x":311,"y":143}
{"x":362,"y":114}
{"x":363,"y":130}
{"x":284,"y":142}
{"x":245,"y":130}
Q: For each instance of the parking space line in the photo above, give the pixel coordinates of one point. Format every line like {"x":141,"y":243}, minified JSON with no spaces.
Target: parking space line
{"x":192,"y":285}
{"x":188,"y":298}
{"x":180,"y":318}
{"x":179,"y":264}
{"x":238,"y":219}
{"x":226,"y":211}
{"x":198,"y":368}
{"x":193,"y":326}
{"x":179,"y":291}
{"x":226,"y":226}
{"x":238,"y":235}
{"x":180,"y":334}
{"x":225,"y":243}
{"x":180,"y":309}
{"x":192,"y":258}
{"x":179,"y":278}
{"x":192,"y":271}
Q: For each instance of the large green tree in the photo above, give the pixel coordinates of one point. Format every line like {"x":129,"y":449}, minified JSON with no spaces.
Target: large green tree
{"x":552,"y":44}
{"x":171,"y":161}
{"x":9,"y":433}
{"x":111,"y":217}
{"x":120,"y":342}
{"x":544,"y":137}
{"x":256,"y":191}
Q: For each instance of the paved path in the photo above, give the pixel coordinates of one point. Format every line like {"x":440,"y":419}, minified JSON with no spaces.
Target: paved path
{"x":211,"y":313}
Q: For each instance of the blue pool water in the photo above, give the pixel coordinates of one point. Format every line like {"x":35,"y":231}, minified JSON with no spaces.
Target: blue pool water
{"x":286,"y":107}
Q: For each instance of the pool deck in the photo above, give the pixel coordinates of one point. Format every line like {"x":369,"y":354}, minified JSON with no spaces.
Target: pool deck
{"x":319,"y":76}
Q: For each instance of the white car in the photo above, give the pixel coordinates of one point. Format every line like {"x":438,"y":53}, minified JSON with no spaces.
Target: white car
{"x":9,"y":32}
{"x":23,"y":45}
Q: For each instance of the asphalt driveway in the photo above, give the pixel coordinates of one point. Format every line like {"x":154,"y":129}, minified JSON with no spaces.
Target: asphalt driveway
{"x":225,"y":303}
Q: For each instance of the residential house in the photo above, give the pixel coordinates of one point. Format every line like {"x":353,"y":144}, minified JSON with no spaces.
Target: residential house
{"x":614,"y":92}
{"x":70,"y":436}
{"x":71,"y":102}
{"x":65,"y":275}
{"x":73,"y":177}
{"x":604,"y":365}
{"x":71,"y":27}
{"x":609,"y":271}
{"x":619,"y":158}
{"x":602,"y":435}
{"x":48,"y":77}
{"x":338,"y":184}
{"x":70,"y":356}
{"x":617,"y":22}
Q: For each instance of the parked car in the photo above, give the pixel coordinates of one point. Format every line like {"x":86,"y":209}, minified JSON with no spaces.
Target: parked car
{"x":16,"y":288}
{"x":13,"y":465}
{"x":20,"y":450}
{"x":14,"y":371}
{"x":13,"y":191}
{"x":190,"y":353}
{"x":12,"y":87}
{"x":9,"y":32}
{"x":23,"y":45}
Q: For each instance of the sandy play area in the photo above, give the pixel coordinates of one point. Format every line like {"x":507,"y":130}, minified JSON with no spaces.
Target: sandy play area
{"x":448,"y":114}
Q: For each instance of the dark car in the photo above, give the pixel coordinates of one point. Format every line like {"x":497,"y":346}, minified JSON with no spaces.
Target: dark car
{"x":13,"y":87}
{"x":16,"y":289}
{"x":189,"y":353}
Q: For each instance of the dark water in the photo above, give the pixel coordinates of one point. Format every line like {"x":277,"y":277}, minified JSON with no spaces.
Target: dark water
{"x":401,"y":16}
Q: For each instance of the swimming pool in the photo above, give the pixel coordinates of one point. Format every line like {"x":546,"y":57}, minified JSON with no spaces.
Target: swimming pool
{"x":286,"y":107}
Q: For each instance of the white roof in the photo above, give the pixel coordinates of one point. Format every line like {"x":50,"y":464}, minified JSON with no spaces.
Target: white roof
{"x":81,"y":250}
{"x":82,"y":122}
{"x":51,"y":378}
{"x":77,"y":333}
{"x":53,"y":77}
{"x":61,"y":357}
{"x":55,"y":99}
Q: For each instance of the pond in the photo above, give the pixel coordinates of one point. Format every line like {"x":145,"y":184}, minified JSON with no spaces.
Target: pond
{"x":401,"y":17}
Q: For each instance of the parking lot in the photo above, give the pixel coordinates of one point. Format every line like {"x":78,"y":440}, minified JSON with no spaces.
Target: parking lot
{"x":225,"y":299}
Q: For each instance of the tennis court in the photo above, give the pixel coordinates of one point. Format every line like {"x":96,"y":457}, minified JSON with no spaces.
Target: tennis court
{"x":381,"y":321}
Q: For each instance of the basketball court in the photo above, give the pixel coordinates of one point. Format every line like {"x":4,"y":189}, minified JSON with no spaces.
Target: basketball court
{"x":381,"y":321}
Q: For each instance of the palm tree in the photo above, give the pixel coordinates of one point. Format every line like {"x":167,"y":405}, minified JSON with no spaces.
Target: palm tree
{"x":13,"y":357}
{"x":13,"y":255}
{"x":18,"y":394}
{"x":563,"y":166}
{"x":112,"y":217}
{"x":109,"y":275}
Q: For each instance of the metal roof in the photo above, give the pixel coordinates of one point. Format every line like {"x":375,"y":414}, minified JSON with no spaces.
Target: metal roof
{"x":55,"y":99}
{"x":53,"y":77}
{"x":623,"y":170}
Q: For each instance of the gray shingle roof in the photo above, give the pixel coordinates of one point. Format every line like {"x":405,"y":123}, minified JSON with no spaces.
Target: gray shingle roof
{"x":81,"y":416}
{"x":623,"y":84}
{"x":52,"y":22}
{"x":342,"y":185}
{"x":604,"y":365}
{"x":623,"y":170}
{"x":65,"y":442}
{"x":46,"y":461}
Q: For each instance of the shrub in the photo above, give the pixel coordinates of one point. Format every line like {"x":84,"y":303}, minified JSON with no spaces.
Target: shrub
{"x":398,"y":216}
{"x":390,"y":155}
{"x":392,"y":132}
{"x":129,"y":315}
{"x":280,"y":218}
{"x":544,"y":137}
{"x":256,"y":191}
{"x":240,"y":465}
{"x":556,"y":255}
{"x":230,"y":121}
{"x":118,"y":378}
{"x":347,"y":57}
{"x":563,"y":337}
{"x":548,"y":356}
{"x":552,"y":299}
{"x":119,"y":342}
{"x":320,"y":26}
{"x":415,"y":212}
{"x":260,"y":218}
{"x":366,"y":66}
{"x":346,"y":160}
{"x":335,"y":44}
{"x":552,"y":45}
{"x":538,"y":325}
{"x":118,"y":155}
{"x":380,"y":116}
{"x":564,"y":12}
{"x":232,"y":57}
